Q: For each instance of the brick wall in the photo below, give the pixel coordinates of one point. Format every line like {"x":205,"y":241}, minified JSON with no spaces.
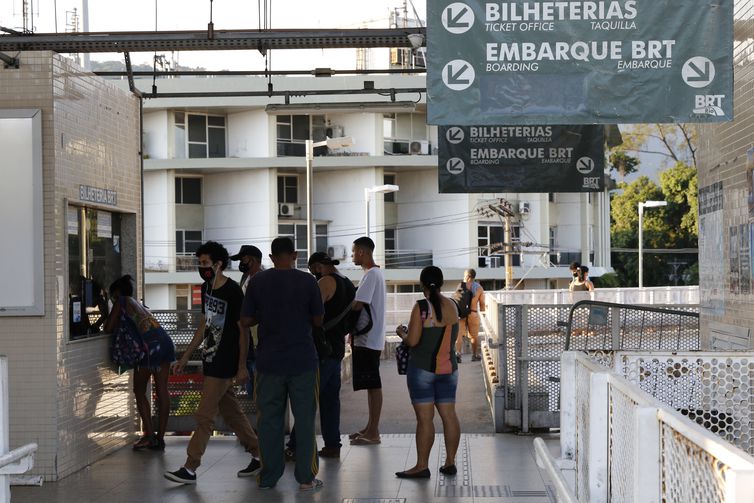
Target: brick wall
{"x":63,"y":394}
{"x":725,"y":156}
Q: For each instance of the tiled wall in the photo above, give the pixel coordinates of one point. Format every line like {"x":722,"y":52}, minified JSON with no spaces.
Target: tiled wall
{"x":63,"y":394}
{"x":726,"y":154}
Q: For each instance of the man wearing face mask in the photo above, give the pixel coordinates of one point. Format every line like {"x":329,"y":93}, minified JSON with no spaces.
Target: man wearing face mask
{"x":251,"y":263}
{"x":224,"y":351}
{"x":338,"y":293}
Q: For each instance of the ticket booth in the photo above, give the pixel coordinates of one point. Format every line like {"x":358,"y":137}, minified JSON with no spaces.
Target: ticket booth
{"x":70,"y":224}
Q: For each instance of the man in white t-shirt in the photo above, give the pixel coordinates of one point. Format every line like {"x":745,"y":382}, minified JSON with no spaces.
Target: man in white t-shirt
{"x":367,"y":348}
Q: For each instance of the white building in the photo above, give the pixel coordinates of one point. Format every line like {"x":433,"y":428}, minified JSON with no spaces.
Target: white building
{"x":232,"y":169}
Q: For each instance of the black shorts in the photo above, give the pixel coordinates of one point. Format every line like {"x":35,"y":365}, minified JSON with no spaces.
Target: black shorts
{"x":366,"y":368}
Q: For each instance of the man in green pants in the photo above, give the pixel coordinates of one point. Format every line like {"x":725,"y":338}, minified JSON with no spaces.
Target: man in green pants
{"x":286,"y":303}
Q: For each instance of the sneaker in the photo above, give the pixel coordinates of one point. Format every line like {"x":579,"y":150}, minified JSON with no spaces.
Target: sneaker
{"x":182,"y":476}
{"x":458,"y":358}
{"x":476,"y":358}
{"x":252,"y":469}
{"x":158,"y":444}
{"x":290,"y":455}
{"x":329,"y":452}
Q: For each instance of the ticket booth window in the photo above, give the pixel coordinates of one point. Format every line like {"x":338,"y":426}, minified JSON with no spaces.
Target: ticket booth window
{"x":94,"y":262}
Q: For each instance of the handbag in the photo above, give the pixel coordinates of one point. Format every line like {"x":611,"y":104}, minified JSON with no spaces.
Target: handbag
{"x":402,"y":355}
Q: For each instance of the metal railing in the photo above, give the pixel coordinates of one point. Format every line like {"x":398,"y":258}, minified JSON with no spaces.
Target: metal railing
{"x":17,"y":461}
{"x":654,"y":296}
{"x":407,"y":259}
{"x":618,"y":443}
{"x":525,"y":343}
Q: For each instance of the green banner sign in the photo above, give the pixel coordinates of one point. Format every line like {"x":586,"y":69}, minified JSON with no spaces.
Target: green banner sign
{"x":521,"y":159}
{"x":579,"y":62}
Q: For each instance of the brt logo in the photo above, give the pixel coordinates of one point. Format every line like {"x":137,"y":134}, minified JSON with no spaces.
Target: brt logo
{"x":709,"y":104}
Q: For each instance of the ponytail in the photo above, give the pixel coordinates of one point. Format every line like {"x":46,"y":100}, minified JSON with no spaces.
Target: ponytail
{"x":434,"y":298}
{"x":431,"y":279}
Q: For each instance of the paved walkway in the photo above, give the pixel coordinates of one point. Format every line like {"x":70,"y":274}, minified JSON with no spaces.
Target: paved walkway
{"x":491,"y":467}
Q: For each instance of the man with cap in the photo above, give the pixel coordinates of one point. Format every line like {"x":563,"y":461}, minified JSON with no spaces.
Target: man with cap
{"x":338,"y":293}
{"x":251,"y":263}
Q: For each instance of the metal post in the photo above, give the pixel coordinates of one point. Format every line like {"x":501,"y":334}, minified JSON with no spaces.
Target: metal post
{"x":641,"y":246}
{"x":523,"y":364}
{"x":366,"y":212}
{"x":4,"y":426}
{"x":309,"y":206}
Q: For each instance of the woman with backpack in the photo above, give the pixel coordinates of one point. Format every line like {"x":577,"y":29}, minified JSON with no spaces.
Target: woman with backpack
{"x":432,"y":374}
{"x":159,"y":353}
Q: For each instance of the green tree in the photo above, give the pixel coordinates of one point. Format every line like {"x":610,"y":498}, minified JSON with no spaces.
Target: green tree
{"x":674,"y":143}
{"x":672,"y":227}
{"x":622,"y":163}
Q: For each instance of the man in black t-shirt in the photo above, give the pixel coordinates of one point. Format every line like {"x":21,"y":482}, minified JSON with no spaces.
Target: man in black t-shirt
{"x":338,"y":293}
{"x":224,"y":350}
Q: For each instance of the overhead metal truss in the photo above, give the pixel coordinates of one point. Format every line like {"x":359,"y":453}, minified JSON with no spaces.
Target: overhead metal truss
{"x":207,"y":40}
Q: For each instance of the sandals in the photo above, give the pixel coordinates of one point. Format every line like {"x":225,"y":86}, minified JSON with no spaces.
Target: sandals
{"x":365,"y":441}
{"x":315,"y":484}
{"x":145,"y":442}
{"x":353,"y":436}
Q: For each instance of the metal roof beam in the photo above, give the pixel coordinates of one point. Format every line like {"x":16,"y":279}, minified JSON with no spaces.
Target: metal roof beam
{"x":392,"y":92}
{"x":204,"y":41}
{"x":231,"y":73}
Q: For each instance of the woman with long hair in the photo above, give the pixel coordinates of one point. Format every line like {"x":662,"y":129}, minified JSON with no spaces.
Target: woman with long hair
{"x":432,"y":375}
{"x":160,"y":354}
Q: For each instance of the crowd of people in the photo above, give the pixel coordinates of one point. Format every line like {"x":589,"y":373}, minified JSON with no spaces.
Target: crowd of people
{"x":282,"y":333}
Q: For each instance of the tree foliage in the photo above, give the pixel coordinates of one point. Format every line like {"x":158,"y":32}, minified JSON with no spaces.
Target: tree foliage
{"x":673,"y":226}
{"x":675,"y":143}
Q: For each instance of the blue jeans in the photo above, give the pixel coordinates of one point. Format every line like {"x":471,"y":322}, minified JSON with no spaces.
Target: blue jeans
{"x":329,"y":404}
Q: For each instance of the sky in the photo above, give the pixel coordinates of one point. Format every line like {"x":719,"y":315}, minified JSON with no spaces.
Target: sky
{"x":139,"y":15}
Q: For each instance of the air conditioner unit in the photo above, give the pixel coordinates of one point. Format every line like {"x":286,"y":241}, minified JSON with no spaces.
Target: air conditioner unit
{"x":523,"y":208}
{"x":336,"y":252}
{"x":285,"y":209}
{"x":419,"y":147}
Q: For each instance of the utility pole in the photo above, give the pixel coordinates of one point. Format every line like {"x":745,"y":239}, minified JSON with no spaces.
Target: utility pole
{"x":504,"y":211}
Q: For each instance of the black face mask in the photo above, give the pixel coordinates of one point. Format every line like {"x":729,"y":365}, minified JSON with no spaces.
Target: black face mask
{"x":243,"y":267}
{"x":207,"y":273}
{"x":575,"y":275}
{"x":318,"y":275}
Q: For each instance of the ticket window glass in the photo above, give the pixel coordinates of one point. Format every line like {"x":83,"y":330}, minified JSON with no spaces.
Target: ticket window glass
{"x":94,"y":262}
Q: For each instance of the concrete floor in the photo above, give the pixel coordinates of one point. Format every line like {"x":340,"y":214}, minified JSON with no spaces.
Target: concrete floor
{"x":491,"y":467}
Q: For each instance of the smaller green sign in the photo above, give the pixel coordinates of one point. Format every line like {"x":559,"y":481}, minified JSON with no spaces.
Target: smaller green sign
{"x":521,"y":159}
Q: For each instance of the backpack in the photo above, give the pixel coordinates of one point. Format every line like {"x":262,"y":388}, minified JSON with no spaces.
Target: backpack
{"x":462,"y":297}
{"x":127,"y":349}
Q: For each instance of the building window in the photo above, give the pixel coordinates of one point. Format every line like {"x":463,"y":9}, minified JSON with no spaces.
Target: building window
{"x":187,"y":242}
{"x":297,"y":233}
{"x":390,"y":240}
{"x":294,"y":130}
{"x":94,"y":262}
{"x":198,"y":136}
{"x":188,"y":190}
{"x":491,"y":243}
{"x":404,"y":133}
{"x":389,"y":179}
{"x":288,"y":189}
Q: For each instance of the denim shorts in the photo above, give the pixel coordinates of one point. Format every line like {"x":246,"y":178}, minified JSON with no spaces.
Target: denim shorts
{"x":428,"y":387}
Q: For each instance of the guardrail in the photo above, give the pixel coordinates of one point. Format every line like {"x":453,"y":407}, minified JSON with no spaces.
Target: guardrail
{"x":618,"y":443}
{"x":661,"y":295}
{"x":19,"y":460}
{"x":525,"y":343}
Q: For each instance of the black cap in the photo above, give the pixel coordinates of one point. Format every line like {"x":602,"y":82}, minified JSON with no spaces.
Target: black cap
{"x":322,"y":258}
{"x":250,"y":250}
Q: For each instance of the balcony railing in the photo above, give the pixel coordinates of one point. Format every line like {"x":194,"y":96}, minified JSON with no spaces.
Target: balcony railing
{"x":184,"y":263}
{"x":408,"y":259}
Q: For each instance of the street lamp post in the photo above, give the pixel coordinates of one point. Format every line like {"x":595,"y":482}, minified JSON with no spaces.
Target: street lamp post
{"x":383,"y":189}
{"x":342,"y":142}
{"x":642,"y":205}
